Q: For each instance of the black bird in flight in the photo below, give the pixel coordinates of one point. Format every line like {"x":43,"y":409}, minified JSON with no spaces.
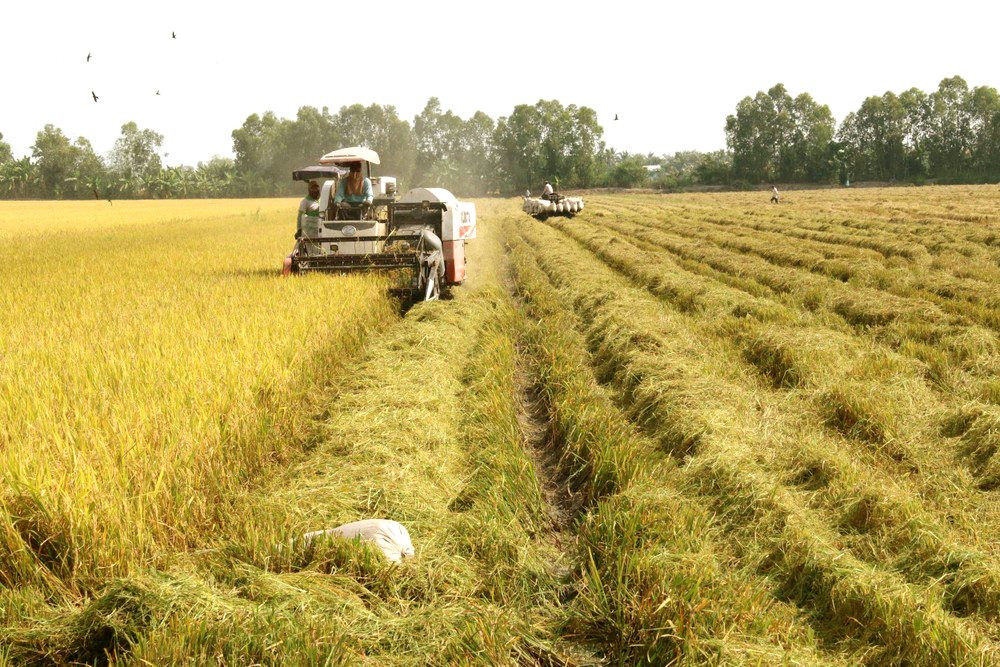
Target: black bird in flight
{"x":94,"y":95}
{"x":88,"y":57}
{"x":157,"y":92}
{"x":616,"y":116}
{"x":97,"y":195}
{"x":173,"y":35}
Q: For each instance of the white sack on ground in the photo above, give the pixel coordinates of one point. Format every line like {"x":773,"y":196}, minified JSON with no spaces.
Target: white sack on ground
{"x":389,"y":536}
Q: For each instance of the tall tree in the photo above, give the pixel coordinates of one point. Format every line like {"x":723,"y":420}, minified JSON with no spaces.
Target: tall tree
{"x":257,"y":147}
{"x":304,"y":140}
{"x":5,"y":153}
{"x":380,"y":128}
{"x":984,"y":111}
{"x":950,"y":140}
{"x":134,"y":159}
{"x":547,"y":141}
{"x":55,"y":158}
{"x":436,"y":137}
{"x":89,"y":174}
{"x":774,"y":136}
{"x":18,"y":177}
{"x":874,"y":139}
{"x":452,"y":152}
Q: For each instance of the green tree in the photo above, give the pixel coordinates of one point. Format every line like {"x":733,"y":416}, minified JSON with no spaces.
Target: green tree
{"x":984,"y":111}
{"x":775,"y":137}
{"x":57,"y":161}
{"x":18,"y":178}
{"x":950,"y":137}
{"x":715,"y":168}
{"x":5,"y":153}
{"x":630,"y":172}
{"x":874,"y":139}
{"x":257,"y":147}
{"x":134,"y":160}
{"x":89,"y":174}
{"x":452,"y":152}
{"x":437,"y":137}
{"x":547,"y":141}
{"x":380,"y":128}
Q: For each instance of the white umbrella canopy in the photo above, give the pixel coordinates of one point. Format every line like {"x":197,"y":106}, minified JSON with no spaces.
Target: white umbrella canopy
{"x":352,"y":154}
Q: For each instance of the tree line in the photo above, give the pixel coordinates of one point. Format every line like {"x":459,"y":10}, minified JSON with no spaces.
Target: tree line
{"x":472,"y":156}
{"x":949,"y":135}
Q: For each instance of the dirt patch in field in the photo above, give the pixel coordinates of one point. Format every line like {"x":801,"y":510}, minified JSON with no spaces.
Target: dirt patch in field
{"x":534,"y":417}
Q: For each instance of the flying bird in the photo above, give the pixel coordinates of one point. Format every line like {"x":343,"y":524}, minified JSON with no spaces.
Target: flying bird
{"x":173,"y":35}
{"x":616,"y":116}
{"x":157,"y":92}
{"x":97,"y":195}
{"x":88,"y":57}
{"x":94,"y":95}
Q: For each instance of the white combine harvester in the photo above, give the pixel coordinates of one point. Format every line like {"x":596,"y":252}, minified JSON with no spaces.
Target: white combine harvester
{"x":424,"y":230}
{"x":556,"y":204}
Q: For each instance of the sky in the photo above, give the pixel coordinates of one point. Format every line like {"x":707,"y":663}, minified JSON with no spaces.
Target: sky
{"x":670,"y":71}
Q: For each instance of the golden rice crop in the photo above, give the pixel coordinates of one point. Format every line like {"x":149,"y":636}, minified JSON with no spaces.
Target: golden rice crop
{"x":148,"y":367}
{"x":691,"y":428}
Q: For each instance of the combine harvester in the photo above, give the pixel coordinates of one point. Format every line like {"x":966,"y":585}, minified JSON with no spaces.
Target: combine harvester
{"x":555,"y":205}
{"x":424,"y":230}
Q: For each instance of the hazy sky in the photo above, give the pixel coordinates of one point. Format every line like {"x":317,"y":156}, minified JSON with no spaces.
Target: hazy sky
{"x":671,"y":72}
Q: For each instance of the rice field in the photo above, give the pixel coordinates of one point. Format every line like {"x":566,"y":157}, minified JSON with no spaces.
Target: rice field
{"x":672,"y":429}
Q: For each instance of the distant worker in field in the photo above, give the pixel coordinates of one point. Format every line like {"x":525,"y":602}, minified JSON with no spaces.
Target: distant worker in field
{"x":547,"y":190}
{"x":307,"y":223}
{"x":354,"y":188}
{"x":774,"y":194}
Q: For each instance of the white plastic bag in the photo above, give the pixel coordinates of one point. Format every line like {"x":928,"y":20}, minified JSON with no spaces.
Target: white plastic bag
{"x":389,"y":536}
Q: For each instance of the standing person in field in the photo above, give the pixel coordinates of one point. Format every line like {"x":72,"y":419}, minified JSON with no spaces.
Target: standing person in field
{"x":354,"y":188}
{"x":307,"y":223}
{"x":547,"y":190}
{"x":774,"y":194}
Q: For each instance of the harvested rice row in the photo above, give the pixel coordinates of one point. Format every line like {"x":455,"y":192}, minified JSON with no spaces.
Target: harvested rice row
{"x":653,"y":586}
{"x":869,"y":396}
{"x":683,"y":393}
{"x":849,"y":238}
{"x":814,"y":233}
{"x":955,"y":349}
{"x":955,"y":355}
{"x":959,"y":358}
{"x":922,"y":242}
{"x":777,"y":250}
{"x":976,"y":300}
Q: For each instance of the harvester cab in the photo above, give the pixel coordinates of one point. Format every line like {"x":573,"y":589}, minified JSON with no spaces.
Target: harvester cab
{"x":424,"y":230}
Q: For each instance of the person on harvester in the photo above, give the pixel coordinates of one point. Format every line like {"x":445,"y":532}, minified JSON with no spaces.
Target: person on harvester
{"x":307,"y":222}
{"x":547,"y":191}
{"x":354,"y":189}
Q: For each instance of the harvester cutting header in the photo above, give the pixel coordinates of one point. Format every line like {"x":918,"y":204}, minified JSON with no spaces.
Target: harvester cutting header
{"x":353,"y":222}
